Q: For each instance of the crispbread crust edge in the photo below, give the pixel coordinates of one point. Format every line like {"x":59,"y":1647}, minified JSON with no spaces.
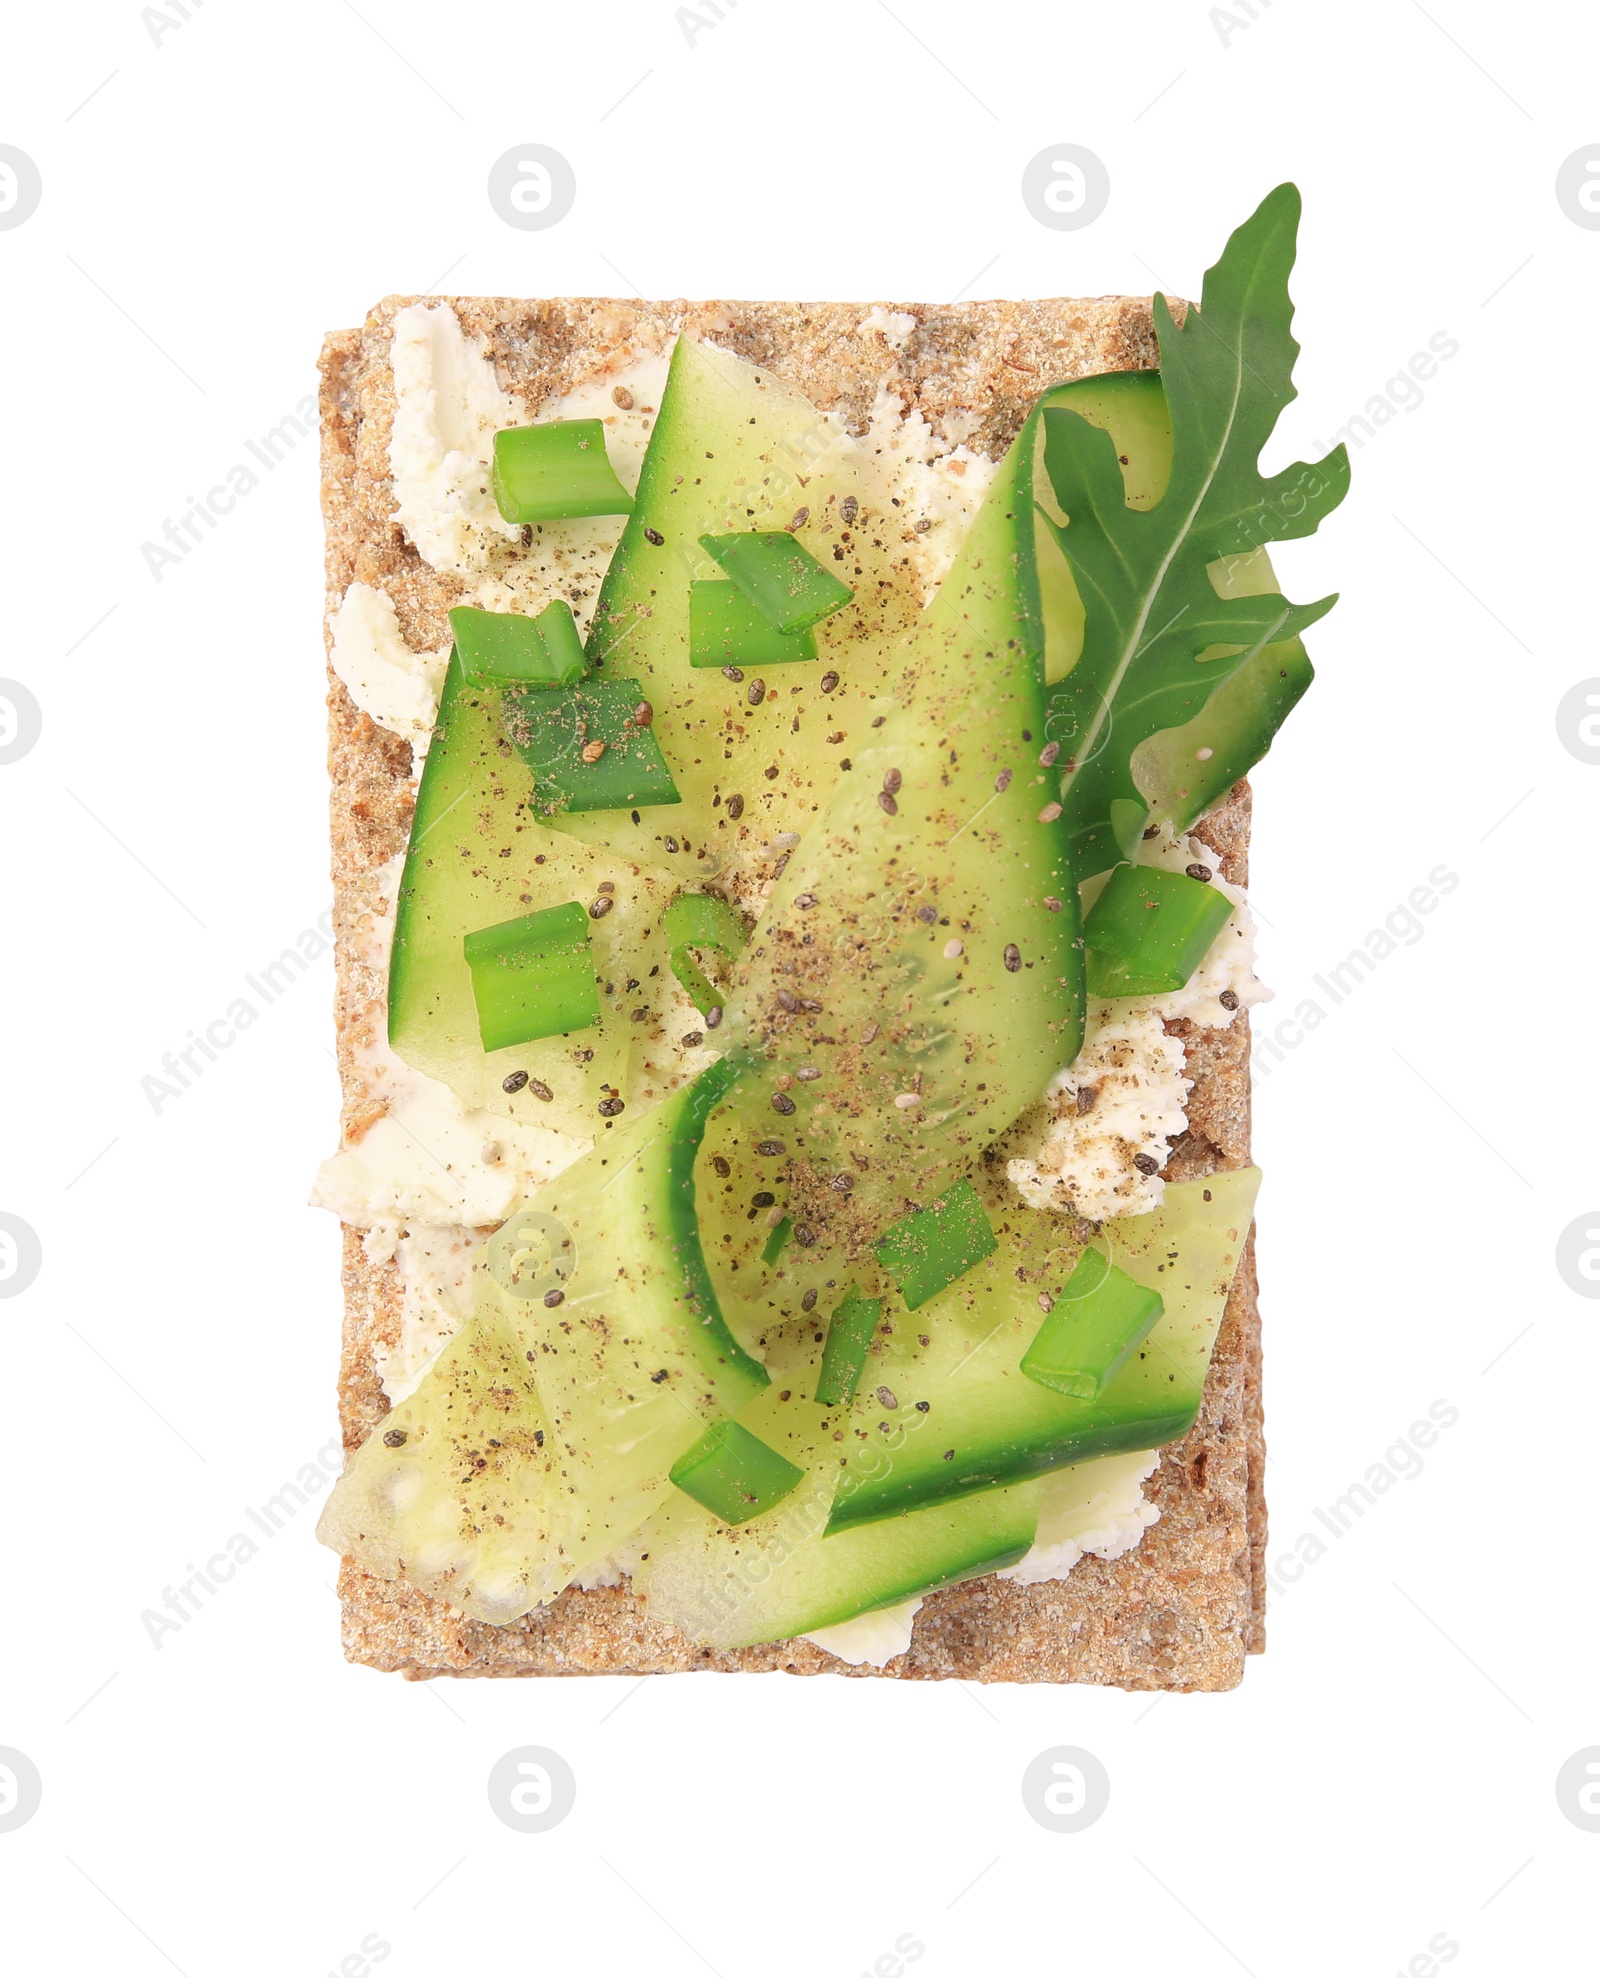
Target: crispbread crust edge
{"x":1184,"y":1608}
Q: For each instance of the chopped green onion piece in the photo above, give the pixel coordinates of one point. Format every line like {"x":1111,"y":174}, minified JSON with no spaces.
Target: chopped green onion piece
{"x":850,"y":1332}
{"x":590,"y":747}
{"x":726,"y":628}
{"x":533,"y":977}
{"x":556,"y":471}
{"x":772,"y":1250}
{"x":934,"y":1247}
{"x":512,"y":649}
{"x":1089,"y":1337}
{"x":780,"y":577}
{"x":1149,"y":930}
{"x":701,"y":920}
{"x":734,"y":1475}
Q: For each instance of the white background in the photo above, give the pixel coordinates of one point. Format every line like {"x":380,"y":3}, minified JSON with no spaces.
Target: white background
{"x":239,"y":1800}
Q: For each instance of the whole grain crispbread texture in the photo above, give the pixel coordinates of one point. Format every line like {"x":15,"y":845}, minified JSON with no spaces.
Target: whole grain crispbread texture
{"x":1180,"y":1611}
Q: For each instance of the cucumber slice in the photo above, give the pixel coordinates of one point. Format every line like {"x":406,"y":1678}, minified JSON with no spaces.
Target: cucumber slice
{"x":778,"y":1576}
{"x":596,"y":1356}
{"x":457,"y":1489}
{"x":479,"y":857}
{"x":918,"y":976}
{"x":988,"y":1423}
{"x":633,"y":1358}
{"x":734,"y":447}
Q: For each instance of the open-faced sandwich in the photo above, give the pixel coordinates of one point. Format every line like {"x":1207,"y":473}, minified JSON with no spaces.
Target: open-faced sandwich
{"x":789,"y":838}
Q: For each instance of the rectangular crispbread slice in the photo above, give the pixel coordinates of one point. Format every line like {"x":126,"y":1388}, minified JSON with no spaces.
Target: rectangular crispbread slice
{"x":1184,"y":1608}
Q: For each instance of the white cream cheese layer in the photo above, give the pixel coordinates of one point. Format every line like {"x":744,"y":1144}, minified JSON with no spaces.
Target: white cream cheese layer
{"x":1097,"y":1507}
{"x":397,"y":687}
{"x":435,"y":1266}
{"x":875,"y":1638}
{"x":448,"y":408}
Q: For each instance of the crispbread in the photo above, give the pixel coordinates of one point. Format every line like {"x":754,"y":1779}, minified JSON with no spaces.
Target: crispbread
{"x":1182,"y":1609}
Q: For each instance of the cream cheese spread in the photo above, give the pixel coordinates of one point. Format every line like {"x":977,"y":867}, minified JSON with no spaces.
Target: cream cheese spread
{"x":397,"y":687}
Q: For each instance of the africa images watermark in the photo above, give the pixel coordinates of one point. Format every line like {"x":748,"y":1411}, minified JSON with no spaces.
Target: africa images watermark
{"x":183,"y":1067}
{"x":182,"y":537}
{"x":181,"y":1604}
{"x":1401,"y":927}
{"x":1401,"y":393}
{"x":1402,"y":1461}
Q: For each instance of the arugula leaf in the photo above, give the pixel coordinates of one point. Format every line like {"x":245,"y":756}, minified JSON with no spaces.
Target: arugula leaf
{"x":1152,"y":613}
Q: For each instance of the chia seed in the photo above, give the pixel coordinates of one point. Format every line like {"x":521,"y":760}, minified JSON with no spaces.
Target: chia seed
{"x":1003,"y":780}
{"x":1147,"y":1164}
{"x":1228,"y":999}
{"x":771,"y":1150}
{"x":1048,"y":754}
{"x":848,"y":508}
{"x":782,"y":1103}
{"x":887,"y":804}
{"x":733,"y":673}
{"x":713,"y":1016}
{"x":886,"y":1398}
{"x":756,"y":692}
{"x":891,"y":781}
{"x":828,"y":682}
{"x":394,"y":1438}
{"x":609,"y":1108}
{"x":515,"y":1082}
{"x":721,"y":1166}
{"x":555,"y":1297}
{"x":1013,"y":957}
{"x":1200,"y":872}
{"x":808,"y":1303}
{"x":736,"y":808}
{"x":598,"y":909}
{"x":654,"y":536}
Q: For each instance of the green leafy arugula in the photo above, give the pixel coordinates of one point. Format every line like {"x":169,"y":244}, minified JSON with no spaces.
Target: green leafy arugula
{"x":1151,"y":610}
